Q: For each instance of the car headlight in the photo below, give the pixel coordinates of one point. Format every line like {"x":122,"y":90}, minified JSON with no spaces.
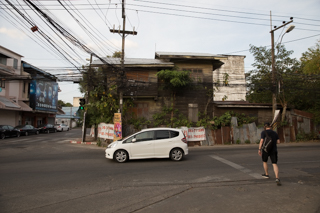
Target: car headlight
{"x":112,"y":145}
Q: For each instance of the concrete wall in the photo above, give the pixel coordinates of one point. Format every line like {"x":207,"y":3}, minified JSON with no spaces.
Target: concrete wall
{"x":76,"y":101}
{"x":236,"y":90}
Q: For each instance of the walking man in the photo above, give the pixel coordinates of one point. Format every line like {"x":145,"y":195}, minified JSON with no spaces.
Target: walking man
{"x":273,"y":154}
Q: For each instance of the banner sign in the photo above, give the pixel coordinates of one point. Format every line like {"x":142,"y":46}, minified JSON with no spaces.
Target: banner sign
{"x":194,"y":133}
{"x":44,"y":95}
{"x":117,"y":126}
{"x":105,"y":131}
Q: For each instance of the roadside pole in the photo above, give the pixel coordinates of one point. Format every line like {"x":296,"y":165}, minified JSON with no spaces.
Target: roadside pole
{"x":86,"y":102}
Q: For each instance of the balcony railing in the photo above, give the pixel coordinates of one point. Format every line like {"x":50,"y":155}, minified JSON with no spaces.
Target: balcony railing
{"x":7,"y":68}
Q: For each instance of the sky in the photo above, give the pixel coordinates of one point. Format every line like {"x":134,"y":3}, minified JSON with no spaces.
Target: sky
{"x":202,"y":26}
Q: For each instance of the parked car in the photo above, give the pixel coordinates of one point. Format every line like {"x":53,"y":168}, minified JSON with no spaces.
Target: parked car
{"x":149,"y":143}
{"x":8,"y":131}
{"x":47,"y":128}
{"x":27,"y":130}
{"x":61,"y":127}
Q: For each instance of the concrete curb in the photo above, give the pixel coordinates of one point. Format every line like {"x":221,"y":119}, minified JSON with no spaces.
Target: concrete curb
{"x":87,"y":143}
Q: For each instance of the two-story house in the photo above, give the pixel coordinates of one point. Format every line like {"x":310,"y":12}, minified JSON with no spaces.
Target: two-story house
{"x":14,"y":88}
{"x":207,"y":70}
{"x":28,"y":95}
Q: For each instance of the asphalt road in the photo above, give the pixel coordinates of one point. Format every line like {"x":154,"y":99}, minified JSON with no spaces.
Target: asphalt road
{"x":46,"y":173}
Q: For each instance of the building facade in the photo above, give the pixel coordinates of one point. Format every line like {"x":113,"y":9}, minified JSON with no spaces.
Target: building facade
{"x":28,"y":95}
{"x":207,"y":70}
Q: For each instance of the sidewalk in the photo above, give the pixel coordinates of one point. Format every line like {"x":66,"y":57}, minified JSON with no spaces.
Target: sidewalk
{"x":88,"y":140}
{"x":91,"y":141}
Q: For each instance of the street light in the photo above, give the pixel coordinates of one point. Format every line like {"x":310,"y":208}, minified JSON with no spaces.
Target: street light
{"x":274,"y":98}
{"x":290,"y":28}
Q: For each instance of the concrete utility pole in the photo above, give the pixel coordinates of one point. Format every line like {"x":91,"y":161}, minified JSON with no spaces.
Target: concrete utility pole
{"x":274,"y":97}
{"x":123,"y":32}
{"x":84,"y":127}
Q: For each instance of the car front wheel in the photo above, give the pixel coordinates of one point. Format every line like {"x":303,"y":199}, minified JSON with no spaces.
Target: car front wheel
{"x":176,"y":154}
{"x":26,"y":134}
{"x":121,"y":156}
{"x":2,"y":136}
{"x":37,"y":132}
{"x":48,"y":131}
{"x":18,"y":134}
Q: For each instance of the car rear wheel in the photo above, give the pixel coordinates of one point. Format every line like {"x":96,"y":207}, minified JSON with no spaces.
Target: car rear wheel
{"x":176,"y":154}
{"x":55,"y":130}
{"x":37,"y":132}
{"x":48,"y":131}
{"x":2,"y":136}
{"x":26,"y":134}
{"x":18,"y":134}
{"x":120,"y":156}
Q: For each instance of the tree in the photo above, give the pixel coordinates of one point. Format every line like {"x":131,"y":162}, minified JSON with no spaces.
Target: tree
{"x":311,"y":60}
{"x":311,"y":69}
{"x":295,"y":87}
{"x":116,"y":54}
{"x":63,"y":104}
{"x":260,"y":79}
{"x":103,"y":101}
{"x":174,"y":80}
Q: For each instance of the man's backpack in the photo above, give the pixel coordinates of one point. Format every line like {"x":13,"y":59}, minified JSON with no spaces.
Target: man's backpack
{"x":267,"y":145}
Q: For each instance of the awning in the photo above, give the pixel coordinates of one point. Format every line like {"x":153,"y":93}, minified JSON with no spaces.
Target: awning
{"x":24,"y":106}
{"x":8,"y":104}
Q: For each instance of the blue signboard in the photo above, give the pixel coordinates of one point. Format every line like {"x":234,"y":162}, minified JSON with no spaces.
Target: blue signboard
{"x":44,"y":95}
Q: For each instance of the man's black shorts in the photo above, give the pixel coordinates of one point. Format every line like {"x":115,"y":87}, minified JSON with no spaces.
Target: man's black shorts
{"x":273,"y":157}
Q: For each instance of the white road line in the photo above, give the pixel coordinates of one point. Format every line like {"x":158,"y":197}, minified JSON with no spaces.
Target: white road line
{"x":237,"y":166}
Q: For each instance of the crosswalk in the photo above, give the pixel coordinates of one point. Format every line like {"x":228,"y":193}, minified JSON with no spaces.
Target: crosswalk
{"x":37,"y":139}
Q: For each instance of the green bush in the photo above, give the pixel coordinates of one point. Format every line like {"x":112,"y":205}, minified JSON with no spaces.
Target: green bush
{"x":247,"y":141}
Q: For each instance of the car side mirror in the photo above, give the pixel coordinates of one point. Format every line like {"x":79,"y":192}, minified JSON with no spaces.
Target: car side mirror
{"x":134,"y":140}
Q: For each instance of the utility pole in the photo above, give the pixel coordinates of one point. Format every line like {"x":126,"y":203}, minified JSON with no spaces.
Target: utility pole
{"x":274,"y":97}
{"x":84,"y":127}
{"x":123,"y":33}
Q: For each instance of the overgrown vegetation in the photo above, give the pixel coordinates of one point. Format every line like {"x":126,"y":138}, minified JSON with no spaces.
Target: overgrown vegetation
{"x":302,"y":136}
{"x":164,"y":118}
{"x":297,"y":82}
{"x":174,"y":80}
{"x":225,"y":119}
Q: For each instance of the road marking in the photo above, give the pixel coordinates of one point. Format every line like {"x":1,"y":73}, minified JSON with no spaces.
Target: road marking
{"x":237,"y":166}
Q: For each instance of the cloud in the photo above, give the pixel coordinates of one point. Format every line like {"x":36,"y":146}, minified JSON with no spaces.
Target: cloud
{"x":12,"y":33}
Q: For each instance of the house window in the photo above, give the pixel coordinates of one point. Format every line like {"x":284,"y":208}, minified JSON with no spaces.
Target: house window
{"x":15,"y":63}
{"x":193,"y":112}
{"x":196,"y":74}
{"x":140,"y":109}
{"x":138,"y":76}
{"x":2,"y":84}
{"x":3,"y":60}
{"x":24,"y":87}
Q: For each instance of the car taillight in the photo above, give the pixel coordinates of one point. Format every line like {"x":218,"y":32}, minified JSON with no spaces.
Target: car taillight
{"x":44,"y":127}
{"x":184,"y":140}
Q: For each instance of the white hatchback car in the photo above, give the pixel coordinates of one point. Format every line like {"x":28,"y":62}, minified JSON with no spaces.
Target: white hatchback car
{"x":61,"y":127}
{"x":150,"y":143}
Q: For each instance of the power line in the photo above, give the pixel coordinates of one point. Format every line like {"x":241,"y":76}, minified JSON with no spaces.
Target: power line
{"x":223,"y":10}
